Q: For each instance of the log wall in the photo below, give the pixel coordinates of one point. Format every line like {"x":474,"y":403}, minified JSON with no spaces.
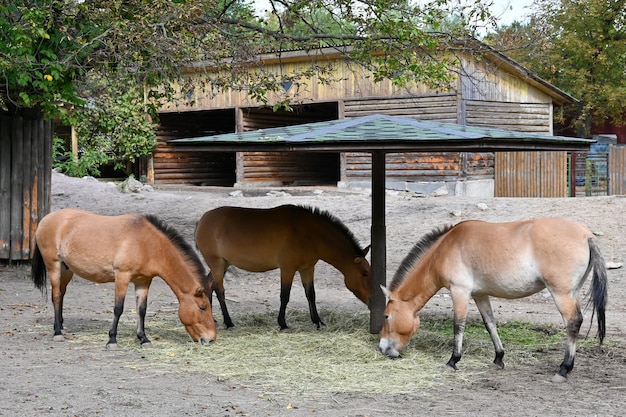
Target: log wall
{"x":25,"y":176}
{"x":206,"y":168}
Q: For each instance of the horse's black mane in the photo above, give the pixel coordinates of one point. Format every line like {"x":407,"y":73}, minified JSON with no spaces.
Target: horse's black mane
{"x":416,"y":253}
{"x":178,"y":241}
{"x":337,"y":224}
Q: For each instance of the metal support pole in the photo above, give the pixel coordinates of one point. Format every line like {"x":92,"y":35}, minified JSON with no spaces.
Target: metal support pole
{"x":378,"y":274}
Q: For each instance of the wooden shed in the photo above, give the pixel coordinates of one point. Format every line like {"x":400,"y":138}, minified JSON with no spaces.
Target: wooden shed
{"x":492,"y":91}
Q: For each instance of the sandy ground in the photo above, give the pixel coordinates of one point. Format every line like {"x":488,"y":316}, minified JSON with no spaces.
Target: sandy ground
{"x":41,"y":377}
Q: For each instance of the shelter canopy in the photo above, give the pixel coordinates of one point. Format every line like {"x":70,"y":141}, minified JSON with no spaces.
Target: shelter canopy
{"x":379,"y":135}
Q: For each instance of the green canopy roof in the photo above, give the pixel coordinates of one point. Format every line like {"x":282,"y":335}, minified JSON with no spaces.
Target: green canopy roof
{"x":380,"y":133}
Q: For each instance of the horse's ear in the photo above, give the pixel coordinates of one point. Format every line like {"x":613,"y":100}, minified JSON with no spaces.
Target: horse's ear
{"x":366,"y":250}
{"x":199,"y":292}
{"x":386,"y":292}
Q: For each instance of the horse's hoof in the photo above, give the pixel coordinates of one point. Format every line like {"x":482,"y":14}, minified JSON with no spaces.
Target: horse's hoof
{"x":58,"y":338}
{"x":112,"y":346}
{"x":285,"y":330}
{"x":559,"y":379}
{"x":147,"y":345}
{"x":450,"y":368}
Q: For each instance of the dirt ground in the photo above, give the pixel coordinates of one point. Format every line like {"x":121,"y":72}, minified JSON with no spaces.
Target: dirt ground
{"x":41,"y":377}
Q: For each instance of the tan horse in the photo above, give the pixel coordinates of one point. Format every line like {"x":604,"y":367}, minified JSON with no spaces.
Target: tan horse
{"x":122,"y":249}
{"x":475,"y":259}
{"x":288,"y":237}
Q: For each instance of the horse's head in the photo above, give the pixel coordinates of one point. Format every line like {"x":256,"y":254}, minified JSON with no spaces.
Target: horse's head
{"x":197,"y":316}
{"x":401,"y":322}
{"x":357,"y":277}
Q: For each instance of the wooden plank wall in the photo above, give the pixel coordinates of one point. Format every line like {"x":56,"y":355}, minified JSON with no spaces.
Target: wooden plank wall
{"x":531,"y":174}
{"x":522,"y":117}
{"x":522,"y":174}
{"x":25,"y":177}
{"x":617,"y":170}
{"x":205,"y":168}
{"x":417,"y":166}
{"x":436,"y":108}
{"x":290,"y":168}
{"x":262,"y":118}
{"x":287,"y":168}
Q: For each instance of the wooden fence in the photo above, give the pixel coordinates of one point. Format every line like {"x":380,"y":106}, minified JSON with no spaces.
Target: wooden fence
{"x":25,"y":176}
{"x":531,"y":174}
{"x":617,"y":170}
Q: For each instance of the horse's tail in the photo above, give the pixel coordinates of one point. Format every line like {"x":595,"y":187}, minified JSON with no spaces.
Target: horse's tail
{"x":599,"y":284}
{"x":38,"y":272}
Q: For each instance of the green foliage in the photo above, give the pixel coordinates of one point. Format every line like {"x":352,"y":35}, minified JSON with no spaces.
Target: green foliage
{"x":88,"y":164}
{"x":93,"y":59}
{"x":580,"y":47}
{"x":39,"y":52}
{"x":112,"y":128}
{"x":49,"y":47}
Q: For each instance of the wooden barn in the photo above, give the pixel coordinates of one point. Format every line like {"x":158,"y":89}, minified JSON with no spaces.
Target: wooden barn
{"x":490,"y":91}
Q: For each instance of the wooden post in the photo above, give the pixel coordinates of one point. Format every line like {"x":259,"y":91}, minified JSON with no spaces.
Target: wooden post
{"x":74,"y":137}
{"x":378,"y":274}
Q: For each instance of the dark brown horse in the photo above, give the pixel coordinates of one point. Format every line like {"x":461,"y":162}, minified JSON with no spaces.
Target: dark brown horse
{"x":288,"y":237}
{"x":475,"y":259}
{"x":122,"y":249}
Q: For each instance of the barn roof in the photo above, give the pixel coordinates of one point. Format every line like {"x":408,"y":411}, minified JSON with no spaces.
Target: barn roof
{"x":380,"y":133}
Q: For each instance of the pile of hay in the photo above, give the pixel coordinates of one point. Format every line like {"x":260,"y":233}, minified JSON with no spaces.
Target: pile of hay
{"x":343,"y":357}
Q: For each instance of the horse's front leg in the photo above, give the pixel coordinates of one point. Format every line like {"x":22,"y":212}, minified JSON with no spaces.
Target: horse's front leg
{"x":573,"y":318}
{"x":121,"y":285}
{"x":286,"y":280}
{"x":309,"y":289}
{"x":484,"y":306}
{"x":460,"y":303}
{"x":141,"y":299}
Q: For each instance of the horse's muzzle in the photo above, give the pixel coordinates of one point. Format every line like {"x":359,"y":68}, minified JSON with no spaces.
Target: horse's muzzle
{"x":388,"y":348}
{"x":204,"y":341}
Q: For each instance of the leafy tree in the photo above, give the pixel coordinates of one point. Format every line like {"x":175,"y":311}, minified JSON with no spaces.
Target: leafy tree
{"x":580,"y":47}
{"x":55,"y":53}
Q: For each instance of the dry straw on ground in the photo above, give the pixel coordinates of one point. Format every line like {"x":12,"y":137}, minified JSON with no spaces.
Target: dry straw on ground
{"x":341,"y":358}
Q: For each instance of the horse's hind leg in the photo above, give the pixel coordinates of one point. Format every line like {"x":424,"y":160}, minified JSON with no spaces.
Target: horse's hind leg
{"x":573,"y":318}
{"x":484,"y":306}
{"x":286,"y":280}
{"x":141,"y":298}
{"x":309,"y":289}
{"x":217,"y":285}
{"x":60,"y":277}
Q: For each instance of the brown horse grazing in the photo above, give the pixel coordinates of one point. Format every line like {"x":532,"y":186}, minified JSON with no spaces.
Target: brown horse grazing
{"x":288,"y":237}
{"x":475,"y":259}
{"x":122,"y":249}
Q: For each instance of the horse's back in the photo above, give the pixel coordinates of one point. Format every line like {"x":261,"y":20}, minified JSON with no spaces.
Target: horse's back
{"x":554,"y":234}
{"x":79,"y":224}
{"x":520,"y":257}
{"x":90,"y":244}
{"x":252,"y":238}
